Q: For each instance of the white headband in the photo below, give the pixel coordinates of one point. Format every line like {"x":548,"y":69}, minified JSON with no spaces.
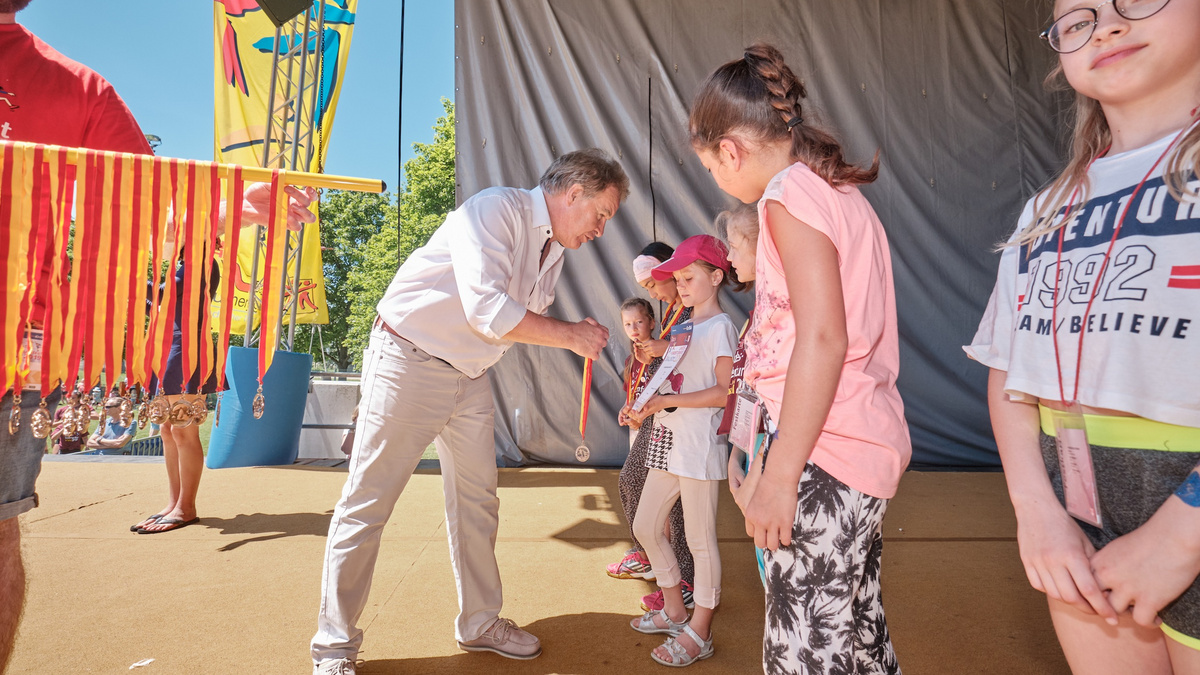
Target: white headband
{"x":642,"y":266}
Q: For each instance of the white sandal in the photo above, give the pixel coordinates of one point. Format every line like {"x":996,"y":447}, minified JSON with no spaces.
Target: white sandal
{"x":679,"y":655}
{"x":646,"y":624}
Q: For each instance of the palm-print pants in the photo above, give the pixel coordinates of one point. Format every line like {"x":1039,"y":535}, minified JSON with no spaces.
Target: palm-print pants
{"x":630,"y":483}
{"x":824,"y":606}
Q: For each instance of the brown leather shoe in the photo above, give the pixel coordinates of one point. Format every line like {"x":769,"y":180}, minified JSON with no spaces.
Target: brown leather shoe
{"x":506,"y":639}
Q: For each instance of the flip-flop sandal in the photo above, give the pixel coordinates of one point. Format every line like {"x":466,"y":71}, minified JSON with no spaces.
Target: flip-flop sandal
{"x":175,"y":522}
{"x":153,"y":519}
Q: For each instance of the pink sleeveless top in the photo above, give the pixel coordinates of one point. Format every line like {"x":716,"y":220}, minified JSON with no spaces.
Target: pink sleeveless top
{"x":865,"y":442}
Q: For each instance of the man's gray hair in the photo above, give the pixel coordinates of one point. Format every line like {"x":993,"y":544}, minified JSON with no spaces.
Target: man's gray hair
{"x":591,"y":168}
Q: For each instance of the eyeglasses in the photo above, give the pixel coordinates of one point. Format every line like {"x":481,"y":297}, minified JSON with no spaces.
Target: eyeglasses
{"x":1071,"y":31}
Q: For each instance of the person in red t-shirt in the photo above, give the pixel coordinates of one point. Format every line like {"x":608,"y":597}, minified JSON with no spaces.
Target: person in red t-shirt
{"x":44,"y":98}
{"x":48,"y":98}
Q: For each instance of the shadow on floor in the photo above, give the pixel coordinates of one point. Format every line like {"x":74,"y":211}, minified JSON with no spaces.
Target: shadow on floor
{"x":270,"y":526}
{"x":586,"y":644}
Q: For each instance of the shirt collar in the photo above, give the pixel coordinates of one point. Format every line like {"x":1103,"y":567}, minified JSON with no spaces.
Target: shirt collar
{"x":541,"y":214}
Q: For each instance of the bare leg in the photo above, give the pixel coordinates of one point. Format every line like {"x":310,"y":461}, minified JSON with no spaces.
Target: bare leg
{"x":171,"y":460}
{"x":12,"y":587}
{"x":189,"y":465}
{"x":1092,"y":646}
{"x":1184,"y":659}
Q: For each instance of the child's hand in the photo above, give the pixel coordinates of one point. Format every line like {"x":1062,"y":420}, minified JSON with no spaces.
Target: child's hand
{"x":736,"y":475}
{"x":770,"y":510}
{"x":657,"y":403}
{"x":1152,"y":565}
{"x":625,"y":419}
{"x":653,"y":348}
{"x":1055,"y":553}
{"x":639,"y":416}
{"x":749,"y":483}
{"x":641,"y":355}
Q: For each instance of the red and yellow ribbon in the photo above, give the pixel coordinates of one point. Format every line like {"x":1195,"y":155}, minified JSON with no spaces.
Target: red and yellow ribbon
{"x":213,"y":204}
{"x":273,"y":277}
{"x":669,"y":324}
{"x":586,"y":398}
{"x":54,"y":363}
{"x":233,"y":225}
{"x":16,"y":217}
{"x":141,"y":228}
{"x":634,"y":380}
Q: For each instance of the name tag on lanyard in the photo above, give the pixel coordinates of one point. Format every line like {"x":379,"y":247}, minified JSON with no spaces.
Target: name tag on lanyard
{"x":747,"y":420}
{"x":1075,"y":464}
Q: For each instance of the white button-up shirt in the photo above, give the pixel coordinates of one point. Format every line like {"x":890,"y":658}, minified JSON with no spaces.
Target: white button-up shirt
{"x":460,"y":294}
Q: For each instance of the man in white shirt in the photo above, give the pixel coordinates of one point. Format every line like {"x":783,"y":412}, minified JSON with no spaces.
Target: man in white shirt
{"x":452,"y":310}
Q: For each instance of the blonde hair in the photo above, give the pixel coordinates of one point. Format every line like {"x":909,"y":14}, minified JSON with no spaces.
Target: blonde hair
{"x":640,"y":304}
{"x":741,"y":220}
{"x":1090,"y":137}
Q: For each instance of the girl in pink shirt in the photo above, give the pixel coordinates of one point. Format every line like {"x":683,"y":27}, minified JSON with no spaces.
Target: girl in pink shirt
{"x":822,"y":356}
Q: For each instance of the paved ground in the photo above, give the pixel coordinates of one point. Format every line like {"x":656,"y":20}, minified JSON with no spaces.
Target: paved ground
{"x":239,"y":591}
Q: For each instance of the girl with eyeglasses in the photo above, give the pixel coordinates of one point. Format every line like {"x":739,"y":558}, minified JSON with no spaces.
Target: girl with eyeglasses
{"x":1094,"y":353}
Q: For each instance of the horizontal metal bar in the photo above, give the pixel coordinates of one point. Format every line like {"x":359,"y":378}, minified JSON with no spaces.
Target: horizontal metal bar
{"x":249,"y":173}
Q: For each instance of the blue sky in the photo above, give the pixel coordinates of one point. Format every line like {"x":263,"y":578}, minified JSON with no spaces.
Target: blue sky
{"x":158,"y":55}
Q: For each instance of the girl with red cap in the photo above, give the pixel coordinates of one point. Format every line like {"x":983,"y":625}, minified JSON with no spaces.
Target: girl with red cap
{"x":687,"y":459}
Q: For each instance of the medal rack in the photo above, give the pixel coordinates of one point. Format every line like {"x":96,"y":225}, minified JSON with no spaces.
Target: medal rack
{"x":133,"y":217}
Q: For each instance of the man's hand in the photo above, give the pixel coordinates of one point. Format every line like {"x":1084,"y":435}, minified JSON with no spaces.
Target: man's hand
{"x":1151,"y":566}
{"x":256,"y":205}
{"x":588,"y":338}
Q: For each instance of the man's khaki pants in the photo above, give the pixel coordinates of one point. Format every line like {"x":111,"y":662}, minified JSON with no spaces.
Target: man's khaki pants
{"x":409,"y":399}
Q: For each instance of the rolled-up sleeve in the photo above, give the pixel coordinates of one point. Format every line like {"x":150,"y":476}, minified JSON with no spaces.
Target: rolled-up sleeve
{"x":484,"y":252}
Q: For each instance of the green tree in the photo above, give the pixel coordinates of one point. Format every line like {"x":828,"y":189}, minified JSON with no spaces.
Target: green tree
{"x":425,"y":199}
{"x":348,"y":222}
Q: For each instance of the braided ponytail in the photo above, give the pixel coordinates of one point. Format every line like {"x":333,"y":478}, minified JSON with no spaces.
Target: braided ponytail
{"x":759,"y":96}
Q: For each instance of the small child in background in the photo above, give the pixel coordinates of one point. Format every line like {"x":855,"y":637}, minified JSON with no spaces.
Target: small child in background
{"x":637,"y":318}
{"x":739,"y":228}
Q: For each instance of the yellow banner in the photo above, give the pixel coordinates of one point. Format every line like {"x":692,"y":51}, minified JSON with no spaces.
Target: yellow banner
{"x":243,"y":40}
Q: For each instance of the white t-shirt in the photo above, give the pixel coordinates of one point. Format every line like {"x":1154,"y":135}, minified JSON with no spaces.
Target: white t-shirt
{"x":698,"y":452}
{"x":1141,"y":349}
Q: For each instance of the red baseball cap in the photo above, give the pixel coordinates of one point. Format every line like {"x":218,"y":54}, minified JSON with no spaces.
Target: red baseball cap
{"x":700,"y":247}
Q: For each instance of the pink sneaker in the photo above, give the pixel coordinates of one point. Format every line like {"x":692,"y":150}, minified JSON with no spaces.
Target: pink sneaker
{"x":632,"y":566}
{"x":655,"y":602}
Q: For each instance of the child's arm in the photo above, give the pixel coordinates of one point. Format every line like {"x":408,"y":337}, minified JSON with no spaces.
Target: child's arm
{"x":1053,"y":549}
{"x":814,"y":284}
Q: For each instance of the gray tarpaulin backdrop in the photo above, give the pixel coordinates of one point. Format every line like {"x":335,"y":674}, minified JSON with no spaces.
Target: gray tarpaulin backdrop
{"x":950,"y":92}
